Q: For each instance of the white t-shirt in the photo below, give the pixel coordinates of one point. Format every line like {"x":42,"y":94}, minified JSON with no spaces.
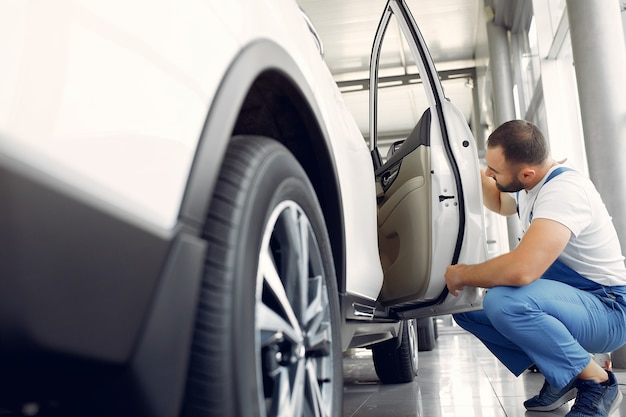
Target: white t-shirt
{"x":571,"y":199}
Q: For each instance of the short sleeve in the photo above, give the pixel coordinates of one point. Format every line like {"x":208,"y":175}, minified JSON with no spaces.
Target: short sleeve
{"x":565,"y":201}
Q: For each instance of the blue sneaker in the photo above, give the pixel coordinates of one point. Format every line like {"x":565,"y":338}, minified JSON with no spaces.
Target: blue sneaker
{"x":596,"y":400}
{"x":549,"y":398}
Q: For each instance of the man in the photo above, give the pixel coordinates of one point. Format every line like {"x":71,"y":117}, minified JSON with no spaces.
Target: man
{"x":561,"y":293}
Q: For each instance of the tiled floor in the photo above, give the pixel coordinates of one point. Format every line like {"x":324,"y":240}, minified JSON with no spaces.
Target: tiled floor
{"x":459,"y":378}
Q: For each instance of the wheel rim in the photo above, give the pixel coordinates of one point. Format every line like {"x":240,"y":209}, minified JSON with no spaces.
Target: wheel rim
{"x":293,"y":322}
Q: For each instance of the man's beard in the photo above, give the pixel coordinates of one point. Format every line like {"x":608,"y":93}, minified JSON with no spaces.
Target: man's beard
{"x":513,"y":187}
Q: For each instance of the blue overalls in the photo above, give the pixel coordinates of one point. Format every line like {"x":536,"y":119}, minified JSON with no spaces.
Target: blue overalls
{"x":554,"y":322}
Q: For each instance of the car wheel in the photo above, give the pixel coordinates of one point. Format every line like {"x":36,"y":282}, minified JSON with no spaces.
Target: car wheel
{"x":267,"y":339}
{"x":426,"y":334}
{"x":395,"y":360}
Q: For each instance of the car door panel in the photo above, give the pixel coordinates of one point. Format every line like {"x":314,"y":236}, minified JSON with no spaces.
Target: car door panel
{"x":404,"y":218}
{"x":430,"y":212}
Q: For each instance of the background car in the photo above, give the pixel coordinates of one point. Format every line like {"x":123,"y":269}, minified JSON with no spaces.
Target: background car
{"x":191,"y":219}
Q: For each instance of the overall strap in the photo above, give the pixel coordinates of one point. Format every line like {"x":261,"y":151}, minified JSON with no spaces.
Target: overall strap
{"x":553,"y":174}
{"x":556,"y":172}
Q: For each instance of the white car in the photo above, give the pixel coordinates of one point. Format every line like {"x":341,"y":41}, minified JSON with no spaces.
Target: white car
{"x":190,"y":219}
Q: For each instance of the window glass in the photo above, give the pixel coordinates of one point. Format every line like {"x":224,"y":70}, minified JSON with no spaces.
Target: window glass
{"x":401,"y":95}
{"x":549,"y":84}
{"x":529,"y":62}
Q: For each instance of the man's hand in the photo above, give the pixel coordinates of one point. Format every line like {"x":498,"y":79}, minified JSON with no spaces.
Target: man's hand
{"x":454,"y":274}
{"x":541,"y":245}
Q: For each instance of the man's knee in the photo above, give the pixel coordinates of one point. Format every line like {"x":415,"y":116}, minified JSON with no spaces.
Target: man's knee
{"x":504,"y":301}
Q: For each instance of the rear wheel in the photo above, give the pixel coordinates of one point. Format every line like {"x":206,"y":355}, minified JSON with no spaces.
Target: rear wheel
{"x":266,"y":341}
{"x":395,"y":360}
{"x":426,"y":334}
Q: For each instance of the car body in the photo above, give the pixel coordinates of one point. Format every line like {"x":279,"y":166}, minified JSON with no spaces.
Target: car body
{"x":189,"y":212}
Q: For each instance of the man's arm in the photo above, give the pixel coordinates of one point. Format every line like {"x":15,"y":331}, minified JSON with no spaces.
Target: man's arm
{"x":494,"y":199}
{"x":541,"y":245}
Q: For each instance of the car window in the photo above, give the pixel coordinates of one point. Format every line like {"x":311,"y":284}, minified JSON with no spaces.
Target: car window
{"x":400,"y":87}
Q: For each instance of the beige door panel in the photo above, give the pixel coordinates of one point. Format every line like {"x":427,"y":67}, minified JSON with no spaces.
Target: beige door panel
{"x":404,"y":235}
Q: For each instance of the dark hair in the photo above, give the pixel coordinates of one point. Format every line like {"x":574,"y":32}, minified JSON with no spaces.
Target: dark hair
{"x":521,"y":142}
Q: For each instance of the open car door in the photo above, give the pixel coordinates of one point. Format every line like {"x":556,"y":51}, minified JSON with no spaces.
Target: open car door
{"x":429,"y":191}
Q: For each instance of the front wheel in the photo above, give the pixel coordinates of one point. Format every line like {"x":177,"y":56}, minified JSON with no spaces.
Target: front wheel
{"x":266,"y":340}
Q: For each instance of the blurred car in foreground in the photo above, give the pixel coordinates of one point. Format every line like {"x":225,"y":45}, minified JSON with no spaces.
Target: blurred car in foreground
{"x":190,"y":219}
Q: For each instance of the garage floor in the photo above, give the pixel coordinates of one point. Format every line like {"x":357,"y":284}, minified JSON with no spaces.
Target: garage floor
{"x":459,"y":378}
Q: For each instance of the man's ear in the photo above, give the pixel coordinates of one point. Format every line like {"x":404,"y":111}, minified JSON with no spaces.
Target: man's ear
{"x":527,"y":174}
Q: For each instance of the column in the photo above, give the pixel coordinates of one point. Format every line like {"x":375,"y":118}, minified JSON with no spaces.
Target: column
{"x":504,"y":106}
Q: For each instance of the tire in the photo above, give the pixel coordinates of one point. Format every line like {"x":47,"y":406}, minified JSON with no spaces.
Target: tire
{"x":266,"y":339}
{"x":426,"y":334}
{"x":395,"y":360}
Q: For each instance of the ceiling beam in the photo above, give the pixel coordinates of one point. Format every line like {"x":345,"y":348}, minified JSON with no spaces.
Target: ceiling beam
{"x":350,"y":86}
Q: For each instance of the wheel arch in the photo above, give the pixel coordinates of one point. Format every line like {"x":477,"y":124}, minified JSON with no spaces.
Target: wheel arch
{"x":265,"y":93}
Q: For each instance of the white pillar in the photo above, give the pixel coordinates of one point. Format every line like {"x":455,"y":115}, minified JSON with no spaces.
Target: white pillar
{"x":504,"y":103}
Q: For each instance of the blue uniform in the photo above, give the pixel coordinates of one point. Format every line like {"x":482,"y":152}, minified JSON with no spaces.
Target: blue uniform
{"x":556,"y":321}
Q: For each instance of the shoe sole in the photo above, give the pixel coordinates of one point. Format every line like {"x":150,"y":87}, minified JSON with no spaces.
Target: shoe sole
{"x":569,"y":395}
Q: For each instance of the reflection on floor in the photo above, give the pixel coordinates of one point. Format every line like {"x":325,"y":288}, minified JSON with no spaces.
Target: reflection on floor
{"x":459,"y":378}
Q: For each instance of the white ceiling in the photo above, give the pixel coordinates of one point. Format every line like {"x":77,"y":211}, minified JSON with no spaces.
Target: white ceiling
{"x":453,"y":29}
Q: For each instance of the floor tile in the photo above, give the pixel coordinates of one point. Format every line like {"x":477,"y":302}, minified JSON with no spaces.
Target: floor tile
{"x":459,"y":378}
